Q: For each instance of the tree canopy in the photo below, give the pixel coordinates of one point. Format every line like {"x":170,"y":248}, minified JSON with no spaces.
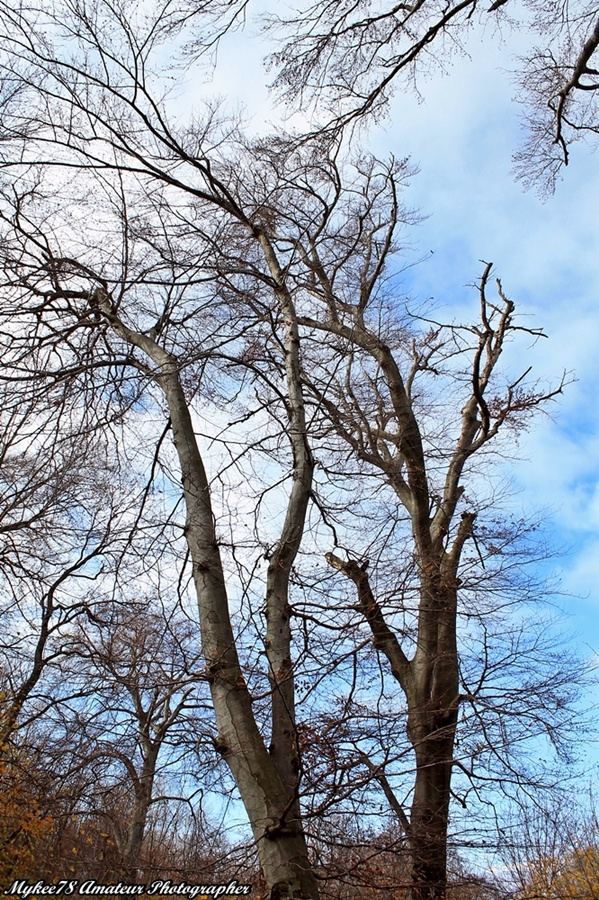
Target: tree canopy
{"x":256,"y":554}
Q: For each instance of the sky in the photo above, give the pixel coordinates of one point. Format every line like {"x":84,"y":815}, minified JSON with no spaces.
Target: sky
{"x":463,"y":138}
{"x":461,"y":135}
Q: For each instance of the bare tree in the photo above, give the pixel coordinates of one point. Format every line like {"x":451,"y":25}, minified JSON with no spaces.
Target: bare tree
{"x":137,"y":666}
{"x":560,"y":91}
{"x":55,"y":544}
{"x":335,"y":265}
{"x":69,"y":292}
{"x":172,"y":271}
{"x":371,"y":376}
{"x":352,"y":55}
{"x":270,"y":803}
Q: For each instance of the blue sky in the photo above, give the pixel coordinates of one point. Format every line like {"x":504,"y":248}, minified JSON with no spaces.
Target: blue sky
{"x":462,"y":136}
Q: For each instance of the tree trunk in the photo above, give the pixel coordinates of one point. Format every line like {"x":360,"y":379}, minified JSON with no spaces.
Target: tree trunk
{"x":433,"y":701}
{"x":429,"y":815}
{"x":281,"y":843}
{"x":143,"y":787}
{"x":284,"y":748}
{"x":430,"y":682}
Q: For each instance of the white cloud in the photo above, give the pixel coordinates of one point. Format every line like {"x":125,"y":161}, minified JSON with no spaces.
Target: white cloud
{"x":462,"y":136}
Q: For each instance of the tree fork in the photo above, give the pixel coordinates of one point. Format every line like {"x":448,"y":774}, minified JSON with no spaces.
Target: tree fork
{"x":282,"y":851}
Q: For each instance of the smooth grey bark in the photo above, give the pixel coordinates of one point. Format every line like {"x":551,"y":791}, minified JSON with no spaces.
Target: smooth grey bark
{"x":143,"y":786}
{"x":430,"y":679}
{"x":430,"y":683}
{"x":266,"y":796}
{"x":284,"y":744}
{"x":152,"y":734}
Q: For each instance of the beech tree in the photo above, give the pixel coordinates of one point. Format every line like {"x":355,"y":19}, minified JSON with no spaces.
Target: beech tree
{"x":59,"y":290}
{"x":270,"y":800}
{"x":368,"y":371}
{"x":138,"y":669}
{"x":236,"y":307}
